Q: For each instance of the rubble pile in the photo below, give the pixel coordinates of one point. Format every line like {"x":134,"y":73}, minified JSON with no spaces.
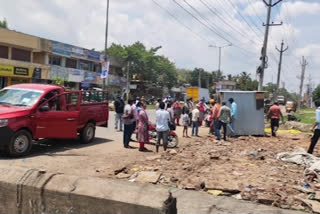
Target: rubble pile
{"x":245,"y":168}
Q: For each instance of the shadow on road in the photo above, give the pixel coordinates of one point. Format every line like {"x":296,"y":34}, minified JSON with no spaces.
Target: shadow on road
{"x":52,"y":147}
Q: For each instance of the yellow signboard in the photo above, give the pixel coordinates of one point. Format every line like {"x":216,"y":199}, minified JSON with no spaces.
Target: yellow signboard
{"x":193,"y":93}
{"x":15,"y":71}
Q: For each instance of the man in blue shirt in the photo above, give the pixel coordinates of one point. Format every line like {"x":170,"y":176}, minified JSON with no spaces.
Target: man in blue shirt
{"x":315,"y":128}
{"x":234,"y":115}
{"x":162,"y":126}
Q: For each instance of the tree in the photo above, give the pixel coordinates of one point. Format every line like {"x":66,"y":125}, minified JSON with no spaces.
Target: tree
{"x":146,"y":65}
{"x":316,"y":93}
{"x":4,"y":24}
{"x":245,"y":83}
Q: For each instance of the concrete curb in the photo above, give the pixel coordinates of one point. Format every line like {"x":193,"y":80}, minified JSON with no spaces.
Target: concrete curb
{"x":35,"y":191}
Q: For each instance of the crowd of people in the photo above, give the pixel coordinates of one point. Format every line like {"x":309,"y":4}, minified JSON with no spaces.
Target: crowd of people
{"x":133,"y":117}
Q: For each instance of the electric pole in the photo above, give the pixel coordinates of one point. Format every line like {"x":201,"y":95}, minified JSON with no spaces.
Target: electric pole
{"x":199,"y":79}
{"x":106,"y":43}
{"x":304,"y":64}
{"x":279,"y":69}
{"x":263,"y":58}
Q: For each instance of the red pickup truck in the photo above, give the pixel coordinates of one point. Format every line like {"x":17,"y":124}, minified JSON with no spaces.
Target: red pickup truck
{"x":31,"y":112}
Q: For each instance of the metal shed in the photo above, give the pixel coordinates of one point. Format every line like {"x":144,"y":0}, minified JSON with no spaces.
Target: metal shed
{"x":250,"y":117}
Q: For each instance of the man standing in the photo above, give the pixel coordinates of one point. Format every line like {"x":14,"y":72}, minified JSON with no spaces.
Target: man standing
{"x":224,"y":119}
{"x":315,"y":128}
{"x":128,"y":121}
{"x":215,"y":119}
{"x":234,"y":115}
{"x":189,"y":105}
{"x":162,"y":126}
{"x":274,"y":114}
{"x":195,"y":121}
{"x":119,"y":108}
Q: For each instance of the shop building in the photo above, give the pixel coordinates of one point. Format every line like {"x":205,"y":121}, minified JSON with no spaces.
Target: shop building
{"x":25,"y":59}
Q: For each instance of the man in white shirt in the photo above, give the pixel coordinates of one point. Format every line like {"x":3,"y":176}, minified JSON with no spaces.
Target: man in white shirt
{"x":128,"y":121}
{"x":315,"y":128}
{"x":162,"y":126}
{"x":195,"y":121}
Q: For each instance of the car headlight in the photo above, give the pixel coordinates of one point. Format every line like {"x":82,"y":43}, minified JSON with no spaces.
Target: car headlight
{"x":3,"y":122}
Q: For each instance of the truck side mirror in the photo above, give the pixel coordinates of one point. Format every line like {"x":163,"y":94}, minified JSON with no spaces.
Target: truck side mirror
{"x":44,"y":109}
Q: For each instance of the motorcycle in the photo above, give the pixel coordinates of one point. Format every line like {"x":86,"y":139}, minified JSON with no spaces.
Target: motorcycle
{"x":173,"y":140}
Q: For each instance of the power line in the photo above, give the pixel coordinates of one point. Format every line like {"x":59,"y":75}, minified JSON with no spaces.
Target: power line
{"x":177,"y":20}
{"x":224,"y":21}
{"x":205,"y":25}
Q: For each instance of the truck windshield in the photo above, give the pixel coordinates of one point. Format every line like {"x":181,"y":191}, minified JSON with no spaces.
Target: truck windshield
{"x":19,"y":97}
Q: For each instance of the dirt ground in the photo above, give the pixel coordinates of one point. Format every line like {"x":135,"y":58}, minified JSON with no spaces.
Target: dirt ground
{"x":245,"y":168}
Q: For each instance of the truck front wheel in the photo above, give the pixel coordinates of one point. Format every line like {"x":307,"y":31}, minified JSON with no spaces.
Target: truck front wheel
{"x":88,"y":133}
{"x":20,"y":144}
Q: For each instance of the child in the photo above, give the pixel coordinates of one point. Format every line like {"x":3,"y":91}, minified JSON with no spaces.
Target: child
{"x":185,"y":121}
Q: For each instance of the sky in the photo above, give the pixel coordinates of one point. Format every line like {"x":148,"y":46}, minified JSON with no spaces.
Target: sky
{"x":185,"y":29}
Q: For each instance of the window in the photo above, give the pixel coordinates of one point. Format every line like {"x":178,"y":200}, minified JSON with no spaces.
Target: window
{"x":97,"y":68}
{"x":55,"y":60}
{"x":71,"y":63}
{"x":86,"y":65}
{"x":4,"y":52}
{"x":19,"y":97}
{"x":21,"y":55}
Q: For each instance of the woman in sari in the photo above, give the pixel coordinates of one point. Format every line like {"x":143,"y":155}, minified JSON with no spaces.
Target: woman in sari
{"x":143,"y":127}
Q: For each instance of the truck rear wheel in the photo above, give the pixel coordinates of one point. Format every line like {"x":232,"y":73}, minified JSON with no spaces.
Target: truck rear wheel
{"x":20,"y":144}
{"x":88,"y":133}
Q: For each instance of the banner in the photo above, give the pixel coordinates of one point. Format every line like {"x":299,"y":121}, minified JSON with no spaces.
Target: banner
{"x":76,"y":75}
{"x":15,"y":71}
{"x":61,"y":48}
{"x":94,"y":55}
{"x":104,"y":69}
{"x":58,"y":72}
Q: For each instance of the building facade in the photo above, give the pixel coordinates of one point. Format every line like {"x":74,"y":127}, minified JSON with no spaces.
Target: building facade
{"x":26,"y":59}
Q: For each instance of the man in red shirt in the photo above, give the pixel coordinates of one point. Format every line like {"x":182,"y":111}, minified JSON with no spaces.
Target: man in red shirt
{"x":274,"y":114}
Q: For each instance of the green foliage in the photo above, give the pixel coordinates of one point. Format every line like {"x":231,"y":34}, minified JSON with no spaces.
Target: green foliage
{"x":245,"y":83}
{"x":316,"y":94}
{"x":58,"y":81}
{"x":146,"y":65}
{"x":4,"y":24}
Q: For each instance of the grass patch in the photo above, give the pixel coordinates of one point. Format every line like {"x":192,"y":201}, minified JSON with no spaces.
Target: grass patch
{"x":307,"y":117}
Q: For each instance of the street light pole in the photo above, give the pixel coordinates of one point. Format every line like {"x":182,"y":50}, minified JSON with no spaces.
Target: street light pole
{"x":220,"y":47}
{"x":106,"y":43}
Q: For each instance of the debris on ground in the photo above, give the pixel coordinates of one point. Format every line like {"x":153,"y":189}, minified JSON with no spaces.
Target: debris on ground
{"x":246,"y":168}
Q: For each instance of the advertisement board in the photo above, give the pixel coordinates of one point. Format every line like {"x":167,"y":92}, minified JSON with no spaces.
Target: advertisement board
{"x":15,"y":71}
{"x":58,"y":72}
{"x":78,"y":52}
{"x":89,"y":77}
{"x":75,"y":75}
{"x":61,"y":48}
{"x":95,"y":55}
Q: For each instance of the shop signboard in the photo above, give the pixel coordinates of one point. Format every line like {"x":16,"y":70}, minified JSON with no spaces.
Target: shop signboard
{"x":95,"y":55}
{"x":37,"y":73}
{"x":61,"y":48}
{"x":76,"y":75}
{"x":117,"y":81}
{"x":58,"y":72}
{"x":15,"y":71}
{"x":89,"y":77}
{"x":78,"y":52}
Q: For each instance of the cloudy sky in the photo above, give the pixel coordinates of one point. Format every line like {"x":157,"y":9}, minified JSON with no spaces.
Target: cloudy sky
{"x":185,"y":29}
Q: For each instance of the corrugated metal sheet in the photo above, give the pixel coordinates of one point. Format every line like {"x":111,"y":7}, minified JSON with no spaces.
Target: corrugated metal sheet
{"x":250,"y":120}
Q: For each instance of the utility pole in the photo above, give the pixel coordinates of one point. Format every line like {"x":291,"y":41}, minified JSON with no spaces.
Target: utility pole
{"x":128,"y":81}
{"x":279,"y":69}
{"x":263,"y":58}
{"x":106,"y":43}
{"x":220,"y":47}
{"x":199,"y":79}
{"x":303,"y":70}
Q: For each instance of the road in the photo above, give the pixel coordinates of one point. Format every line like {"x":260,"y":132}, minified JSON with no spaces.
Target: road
{"x":99,"y":158}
